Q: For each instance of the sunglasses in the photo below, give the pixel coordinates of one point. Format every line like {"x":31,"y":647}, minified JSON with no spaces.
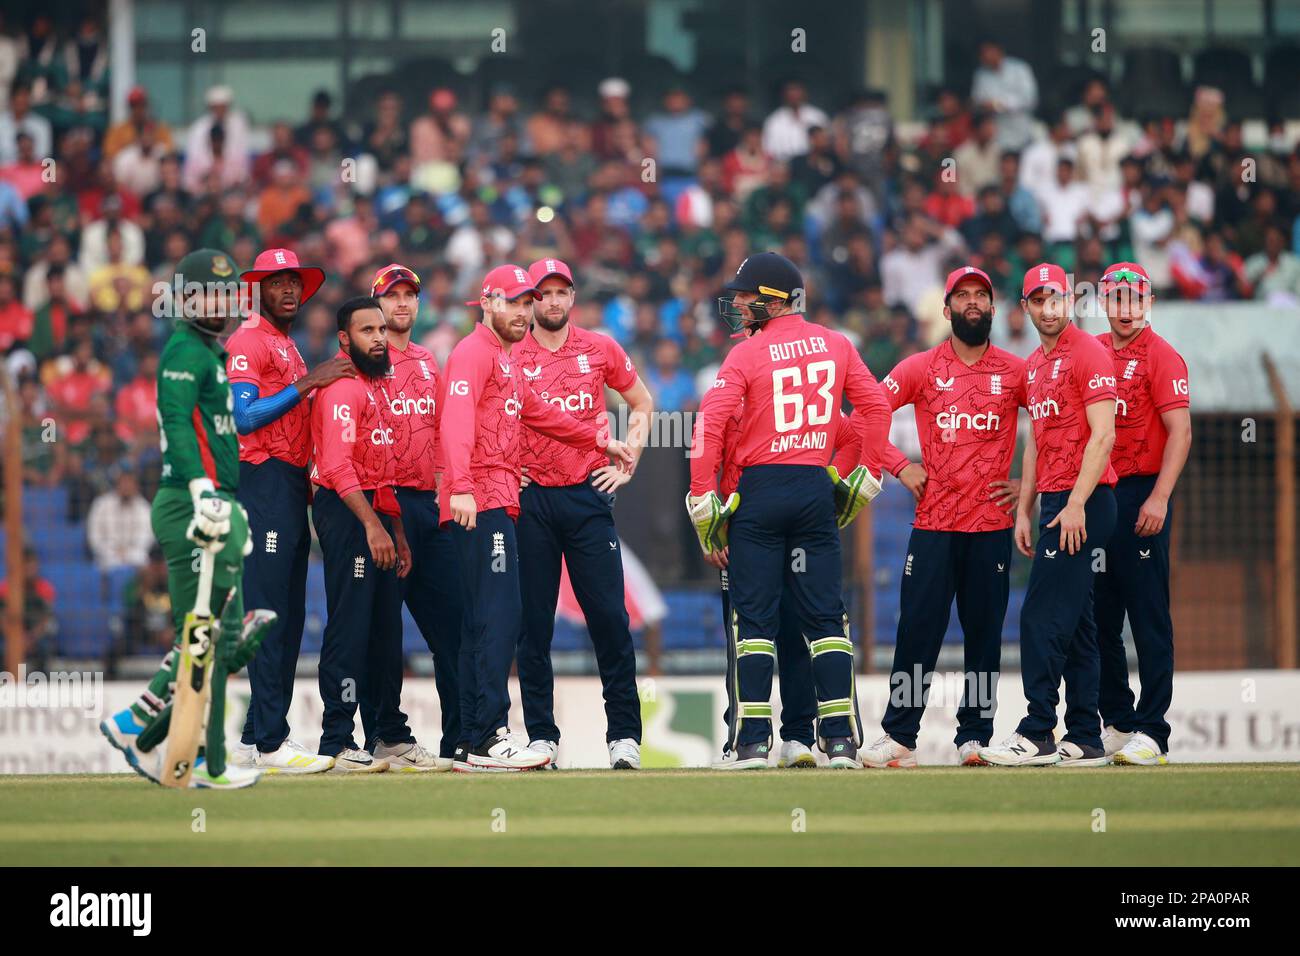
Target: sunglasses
{"x":1125,"y":275}
{"x":395,"y":274}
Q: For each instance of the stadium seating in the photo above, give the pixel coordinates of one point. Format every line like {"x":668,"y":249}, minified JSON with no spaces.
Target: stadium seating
{"x":1153,"y":84}
{"x":1229,"y":70}
{"x":1282,"y":81}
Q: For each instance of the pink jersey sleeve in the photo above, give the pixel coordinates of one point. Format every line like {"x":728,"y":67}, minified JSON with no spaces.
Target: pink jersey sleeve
{"x":717,"y":407}
{"x":1168,"y":379}
{"x":1094,"y":372}
{"x":900,"y":388}
{"x":541,"y":416}
{"x":847,"y":453}
{"x":244,"y":363}
{"x":467,"y":370}
{"x":337,"y":414}
{"x":867,"y":396}
{"x":620,"y":373}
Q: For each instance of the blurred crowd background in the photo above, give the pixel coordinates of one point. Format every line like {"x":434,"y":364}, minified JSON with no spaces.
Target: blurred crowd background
{"x":651,"y":181}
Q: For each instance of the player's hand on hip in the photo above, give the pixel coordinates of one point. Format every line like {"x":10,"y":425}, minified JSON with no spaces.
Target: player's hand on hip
{"x":464,"y":511}
{"x":913,"y":478}
{"x":382,"y":549}
{"x":610,"y":478}
{"x":331,"y":371}
{"x":1025,"y":534}
{"x":211,"y":522}
{"x":620,"y":454}
{"x":1071,"y":520}
{"x":1005,"y":494}
{"x":1151,"y":516}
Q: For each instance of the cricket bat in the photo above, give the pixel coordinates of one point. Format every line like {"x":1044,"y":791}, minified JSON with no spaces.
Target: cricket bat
{"x":193,"y":673}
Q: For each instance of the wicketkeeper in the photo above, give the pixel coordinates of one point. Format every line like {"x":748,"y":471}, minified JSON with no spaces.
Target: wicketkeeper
{"x":195,"y":510}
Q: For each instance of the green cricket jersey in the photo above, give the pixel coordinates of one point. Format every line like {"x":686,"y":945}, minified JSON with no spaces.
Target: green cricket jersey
{"x":196,"y":412}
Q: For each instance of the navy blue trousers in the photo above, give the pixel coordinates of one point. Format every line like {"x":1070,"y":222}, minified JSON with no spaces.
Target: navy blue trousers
{"x":362,"y":647}
{"x":794,"y":666}
{"x":1058,"y":635}
{"x":1136,"y":583}
{"x":784,"y":537}
{"x":432,"y":593}
{"x":974,"y":568}
{"x":492,"y":616}
{"x":275,"y":496}
{"x":576,"y":523}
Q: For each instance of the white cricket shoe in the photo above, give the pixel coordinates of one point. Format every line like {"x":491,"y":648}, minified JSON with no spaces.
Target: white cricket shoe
{"x":968,"y":754}
{"x":1077,"y":755}
{"x":1113,"y":741}
{"x":887,"y":752}
{"x":502,"y":752}
{"x":235,"y":778}
{"x":549,"y":747}
{"x":406,"y":758}
{"x":242,"y":755}
{"x":1142,"y":751}
{"x":795,"y":754}
{"x":1019,"y":751}
{"x":355,"y":760}
{"x":625,"y":754}
{"x":292,"y":757}
{"x":745,"y":757}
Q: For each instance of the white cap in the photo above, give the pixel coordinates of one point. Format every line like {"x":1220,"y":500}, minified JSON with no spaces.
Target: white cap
{"x":614,"y":86}
{"x":219,"y":95}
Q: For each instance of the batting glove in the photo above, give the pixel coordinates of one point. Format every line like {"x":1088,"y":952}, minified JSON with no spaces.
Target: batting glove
{"x":211,"y":522}
{"x":709,"y":514}
{"x":853,"y":493}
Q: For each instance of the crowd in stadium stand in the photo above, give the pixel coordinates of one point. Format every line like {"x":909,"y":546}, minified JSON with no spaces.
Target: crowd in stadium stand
{"x":653,"y":211}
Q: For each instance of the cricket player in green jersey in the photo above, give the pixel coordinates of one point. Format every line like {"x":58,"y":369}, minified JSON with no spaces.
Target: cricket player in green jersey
{"x":195,"y":511}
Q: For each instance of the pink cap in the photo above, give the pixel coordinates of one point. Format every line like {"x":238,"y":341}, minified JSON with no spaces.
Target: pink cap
{"x":543,"y":269}
{"x":1048,"y":276}
{"x":390,"y":275}
{"x":508,"y":281}
{"x":271,"y":261}
{"x":958,"y":274}
{"x":1115,"y":276}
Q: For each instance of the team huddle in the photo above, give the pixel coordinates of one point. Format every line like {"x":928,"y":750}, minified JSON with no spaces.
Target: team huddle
{"x":425,"y":486}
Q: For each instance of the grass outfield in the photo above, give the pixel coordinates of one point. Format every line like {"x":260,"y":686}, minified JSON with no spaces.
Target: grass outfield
{"x":1208,"y":814}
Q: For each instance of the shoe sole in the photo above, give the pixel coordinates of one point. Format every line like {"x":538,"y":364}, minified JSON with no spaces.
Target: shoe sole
{"x":1031,"y":762}
{"x":975,"y":760}
{"x":804,"y":762}
{"x":293,"y":771}
{"x":845,"y":763}
{"x":409,"y":768}
{"x":230,"y":786}
{"x":753,"y":763}
{"x":479,"y":764}
{"x":376,"y":767}
{"x":1084,"y":762}
{"x":898,"y":763}
{"x":1125,"y":761}
{"x":625,"y":765}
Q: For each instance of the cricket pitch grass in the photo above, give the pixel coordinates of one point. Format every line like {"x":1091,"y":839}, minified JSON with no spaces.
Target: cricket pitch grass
{"x":1191,"y":814}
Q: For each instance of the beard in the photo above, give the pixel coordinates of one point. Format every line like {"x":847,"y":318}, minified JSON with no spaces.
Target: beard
{"x":550,"y":324}
{"x":973,"y":332}
{"x":503,"y":326}
{"x":368,"y":365}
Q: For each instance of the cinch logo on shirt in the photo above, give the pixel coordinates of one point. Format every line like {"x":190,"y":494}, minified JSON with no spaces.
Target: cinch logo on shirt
{"x":981,"y":422}
{"x":581,"y":402}
{"x":890,"y":384}
{"x":1121,"y":408}
{"x":1044,"y":409}
{"x":1097,"y":381}
{"x":381,"y":436}
{"x":513,"y":405}
{"x":401,"y":405}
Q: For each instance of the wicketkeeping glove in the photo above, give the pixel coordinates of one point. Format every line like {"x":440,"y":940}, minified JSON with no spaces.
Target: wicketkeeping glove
{"x":853,"y":493}
{"x":211,"y":522}
{"x":256,"y":625}
{"x":709,"y":514}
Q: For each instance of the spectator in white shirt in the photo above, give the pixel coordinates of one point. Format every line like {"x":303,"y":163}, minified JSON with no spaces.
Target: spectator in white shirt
{"x":1038,"y":161}
{"x":979,"y":157}
{"x":1100,"y":151}
{"x":1064,"y":203}
{"x":916,"y":267}
{"x":94,"y":238}
{"x":118,"y":528}
{"x":200,"y":160}
{"x":785,"y":132}
{"x":1007,"y":87}
{"x":19,"y":118}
